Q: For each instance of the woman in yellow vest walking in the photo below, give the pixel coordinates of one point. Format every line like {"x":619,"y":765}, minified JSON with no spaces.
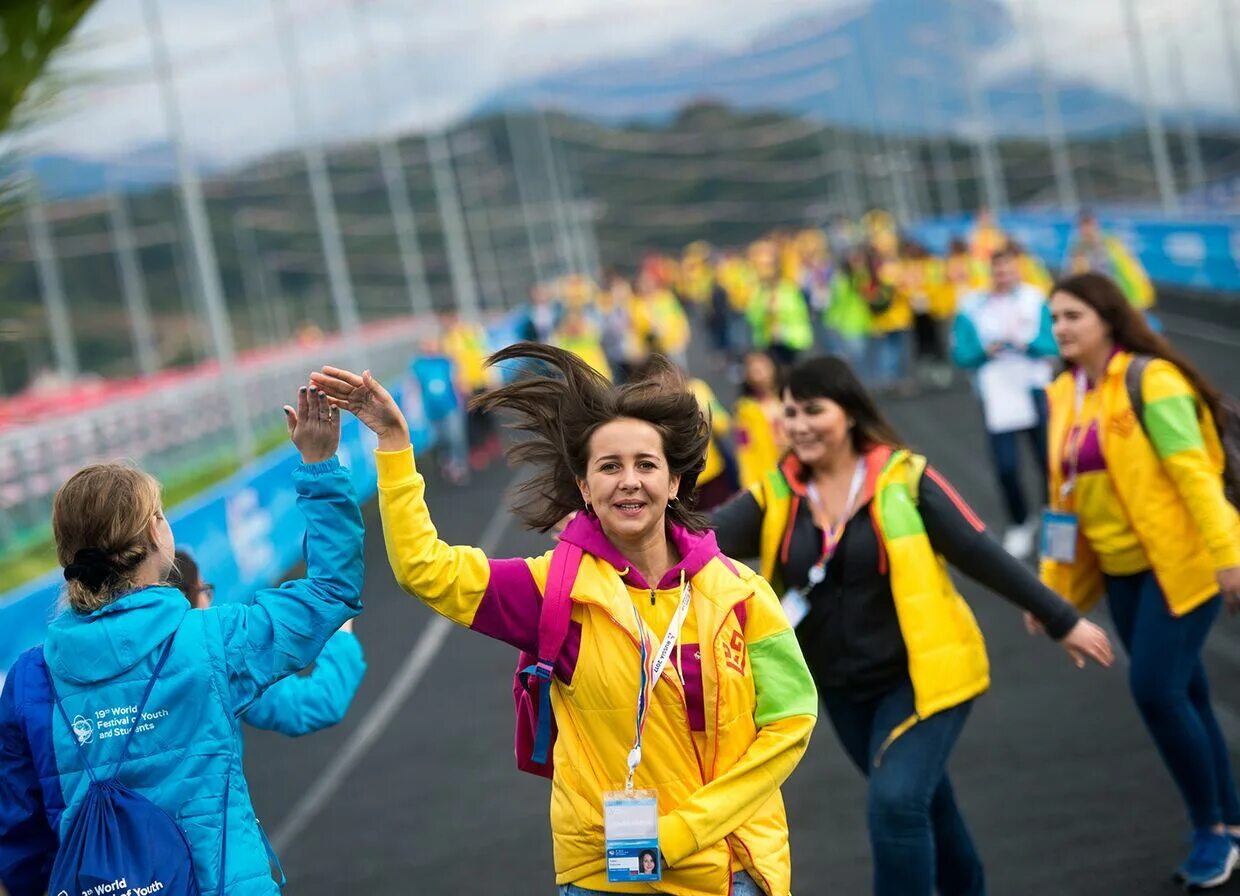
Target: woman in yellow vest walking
{"x":854,"y":530}
{"x":1140,"y":515}
{"x":714,"y":719}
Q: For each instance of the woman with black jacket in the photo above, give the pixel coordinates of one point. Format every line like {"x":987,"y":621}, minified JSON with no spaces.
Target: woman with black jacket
{"x":855,"y":532}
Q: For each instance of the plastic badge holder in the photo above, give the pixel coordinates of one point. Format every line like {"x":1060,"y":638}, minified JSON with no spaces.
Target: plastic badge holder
{"x":631,"y":826}
{"x":1059,"y":536}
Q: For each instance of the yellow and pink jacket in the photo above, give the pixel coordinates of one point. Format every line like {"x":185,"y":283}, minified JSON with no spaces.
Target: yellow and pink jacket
{"x":1169,"y":486}
{"x":730,"y":718}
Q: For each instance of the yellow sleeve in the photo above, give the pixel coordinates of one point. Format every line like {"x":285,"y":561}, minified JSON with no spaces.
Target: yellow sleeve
{"x":1190,"y":454}
{"x":785,"y":711}
{"x":450,"y":580}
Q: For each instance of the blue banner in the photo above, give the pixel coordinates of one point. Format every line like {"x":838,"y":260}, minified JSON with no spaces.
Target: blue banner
{"x":1198,"y":254}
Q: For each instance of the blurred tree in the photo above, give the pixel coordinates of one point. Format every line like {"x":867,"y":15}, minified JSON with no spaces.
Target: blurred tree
{"x":30,"y":32}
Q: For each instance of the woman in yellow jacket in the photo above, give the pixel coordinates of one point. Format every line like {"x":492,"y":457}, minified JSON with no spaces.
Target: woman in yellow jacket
{"x":1139,"y":514}
{"x":730,"y":715}
{"x":854,"y":530}
{"x":759,"y":436}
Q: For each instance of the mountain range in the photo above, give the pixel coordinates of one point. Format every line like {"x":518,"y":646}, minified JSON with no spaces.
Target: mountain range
{"x":885,"y":65}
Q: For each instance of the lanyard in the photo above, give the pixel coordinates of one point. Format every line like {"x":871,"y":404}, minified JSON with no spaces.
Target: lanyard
{"x":1076,"y":437}
{"x":831,"y":535}
{"x":651,"y":671}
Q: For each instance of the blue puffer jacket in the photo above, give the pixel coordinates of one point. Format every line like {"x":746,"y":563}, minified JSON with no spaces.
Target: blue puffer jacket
{"x":185,"y":756}
{"x":304,"y":704}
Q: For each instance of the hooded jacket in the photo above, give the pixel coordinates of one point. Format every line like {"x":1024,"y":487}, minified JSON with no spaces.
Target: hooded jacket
{"x":730,"y":716}
{"x":188,"y":760}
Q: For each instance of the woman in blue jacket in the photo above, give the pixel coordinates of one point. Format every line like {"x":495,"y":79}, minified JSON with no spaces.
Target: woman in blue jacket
{"x":116,"y":549}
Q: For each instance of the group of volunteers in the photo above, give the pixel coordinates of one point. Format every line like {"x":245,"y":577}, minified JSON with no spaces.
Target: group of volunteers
{"x":666,"y":688}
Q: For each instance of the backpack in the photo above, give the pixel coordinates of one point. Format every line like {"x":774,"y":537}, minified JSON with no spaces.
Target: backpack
{"x":1228,"y":424}
{"x":531,"y":683}
{"x":120,"y":842}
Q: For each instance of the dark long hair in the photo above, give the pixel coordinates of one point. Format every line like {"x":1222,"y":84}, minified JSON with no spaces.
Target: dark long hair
{"x":560,"y":414}
{"x":1130,"y":331}
{"x":831,"y":377}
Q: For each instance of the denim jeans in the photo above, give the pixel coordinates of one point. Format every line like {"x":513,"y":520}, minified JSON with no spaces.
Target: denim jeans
{"x":452,"y":440}
{"x":1005,"y":451}
{"x":1168,"y":683}
{"x":854,"y":350}
{"x":917,"y":835}
{"x":742,"y":885}
{"x":890,"y":357}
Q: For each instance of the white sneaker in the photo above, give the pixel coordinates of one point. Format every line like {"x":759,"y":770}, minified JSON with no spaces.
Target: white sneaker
{"x":1018,"y":540}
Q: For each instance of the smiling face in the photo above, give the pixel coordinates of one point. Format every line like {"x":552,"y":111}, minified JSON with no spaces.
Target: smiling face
{"x":628,"y":482}
{"x":817,"y":428}
{"x":647,"y":863}
{"x":1079,"y":330}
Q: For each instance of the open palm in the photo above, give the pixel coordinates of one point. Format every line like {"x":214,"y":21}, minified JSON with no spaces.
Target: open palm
{"x":366,"y":399}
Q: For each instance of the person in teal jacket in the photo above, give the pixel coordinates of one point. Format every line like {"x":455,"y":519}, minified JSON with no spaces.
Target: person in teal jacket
{"x":1003,"y":337}
{"x":117,"y":548}
{"x":300,"y":704}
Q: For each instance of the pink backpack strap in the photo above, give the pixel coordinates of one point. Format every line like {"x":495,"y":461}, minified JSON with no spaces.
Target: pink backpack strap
{"x":557,"y":604}
{"x":553,"y":622}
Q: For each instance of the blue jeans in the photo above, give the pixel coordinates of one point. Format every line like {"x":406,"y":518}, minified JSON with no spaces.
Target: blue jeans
{"x":452,"y":439}
{"x":742,"y":885}
{"x":853,"y":349}
{"x":891,"y":357}
{"x":917,"y":835}
{"x":1005,"y":451}
{"x":1168,"y":683}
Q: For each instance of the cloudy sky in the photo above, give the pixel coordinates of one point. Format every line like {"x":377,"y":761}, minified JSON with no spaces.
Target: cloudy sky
{"x":386,"y":65}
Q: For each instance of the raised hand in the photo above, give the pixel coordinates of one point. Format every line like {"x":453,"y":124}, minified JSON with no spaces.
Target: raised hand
{"x":314,"y":427}
{"x":368,"y":401}
{"x":1086,"y":640}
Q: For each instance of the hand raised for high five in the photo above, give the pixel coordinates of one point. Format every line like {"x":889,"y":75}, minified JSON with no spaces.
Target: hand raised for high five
{"x":314,"y":427}
{"x":368,"y":401}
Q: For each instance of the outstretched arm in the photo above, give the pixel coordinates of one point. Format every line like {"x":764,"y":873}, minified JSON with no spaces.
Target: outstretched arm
{"x":499,"y":598}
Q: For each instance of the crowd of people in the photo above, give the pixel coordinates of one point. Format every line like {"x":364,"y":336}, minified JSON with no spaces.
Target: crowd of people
{"x":683,"y":685}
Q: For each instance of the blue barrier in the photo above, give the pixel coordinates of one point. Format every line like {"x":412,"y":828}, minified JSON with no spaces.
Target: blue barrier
{"x":1198,"y":254}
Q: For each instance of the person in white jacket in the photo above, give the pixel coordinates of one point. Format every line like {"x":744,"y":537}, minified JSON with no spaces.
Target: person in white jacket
{"x":1004,"y":337}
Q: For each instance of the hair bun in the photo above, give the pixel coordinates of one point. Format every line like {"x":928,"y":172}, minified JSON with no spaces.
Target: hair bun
{"x":92,"y":567}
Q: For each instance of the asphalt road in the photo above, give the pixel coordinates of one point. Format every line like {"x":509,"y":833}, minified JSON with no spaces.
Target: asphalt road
{"x":416,"y":792}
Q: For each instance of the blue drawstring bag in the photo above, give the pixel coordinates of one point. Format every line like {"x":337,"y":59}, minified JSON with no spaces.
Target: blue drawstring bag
{"x":120,"y":843}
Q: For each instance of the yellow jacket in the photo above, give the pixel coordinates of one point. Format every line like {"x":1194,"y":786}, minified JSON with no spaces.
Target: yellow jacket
{"x":659,"y":322}
{"x":720,"y":426}
{"x":947,"y":660}
{"x":899,"y":314}
{"x":728,"y":723}
{"x":1169,"y":484}
{"x":465,"y":344}
{"x":758,"y":442}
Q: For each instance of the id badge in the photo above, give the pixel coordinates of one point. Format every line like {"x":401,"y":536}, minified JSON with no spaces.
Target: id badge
{"x":1059,"y":536}
{"x":631,"y":826}
{"x":796,"y":606}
